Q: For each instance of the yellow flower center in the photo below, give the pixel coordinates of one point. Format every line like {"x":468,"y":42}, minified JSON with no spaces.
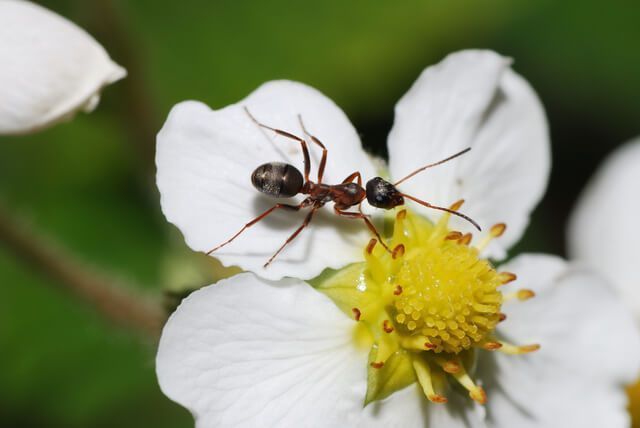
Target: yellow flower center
{"x":448,"y":295}
{"x":427,"y":305}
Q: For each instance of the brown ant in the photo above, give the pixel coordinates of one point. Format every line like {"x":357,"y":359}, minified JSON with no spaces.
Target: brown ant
{"x":282,"y":180}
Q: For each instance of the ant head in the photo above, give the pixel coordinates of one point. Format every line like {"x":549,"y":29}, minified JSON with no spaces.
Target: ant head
{"x":382,"y":194}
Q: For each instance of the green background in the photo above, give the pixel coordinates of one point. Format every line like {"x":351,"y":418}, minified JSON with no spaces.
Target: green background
{"x":87,"y":185}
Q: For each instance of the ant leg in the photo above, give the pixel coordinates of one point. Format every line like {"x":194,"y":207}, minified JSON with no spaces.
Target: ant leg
{"x":306,"y":222}
{"x":350,"y":178}
{"x":323,"y":160}
{"x":362,"y":216}
{"x":303,"y":143}
{"x":435,"y":207}
{"x":257,"y":219}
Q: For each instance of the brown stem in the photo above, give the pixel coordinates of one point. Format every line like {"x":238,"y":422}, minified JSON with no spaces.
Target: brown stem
{"x":115,"y":303}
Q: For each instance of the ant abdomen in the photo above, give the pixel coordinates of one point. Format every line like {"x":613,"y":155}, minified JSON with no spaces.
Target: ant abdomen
{"x":277,"y":179}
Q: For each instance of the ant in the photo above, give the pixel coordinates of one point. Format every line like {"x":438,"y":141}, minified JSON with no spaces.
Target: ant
{"x":282,"y":180}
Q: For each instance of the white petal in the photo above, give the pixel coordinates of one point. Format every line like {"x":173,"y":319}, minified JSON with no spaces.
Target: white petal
{"x":473,"y":99}
{"x":409,"y":408}
{"x":603,"y":229}
{"x":205,"y":159}
{"x":50,"y":69}
{"x":564,"y":402}
{"x":406,"y":408}
{"x":246,"y":352}
{"x":590,"y":350}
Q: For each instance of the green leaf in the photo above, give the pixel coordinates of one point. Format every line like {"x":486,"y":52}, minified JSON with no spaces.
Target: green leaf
{"x":396,"y":374}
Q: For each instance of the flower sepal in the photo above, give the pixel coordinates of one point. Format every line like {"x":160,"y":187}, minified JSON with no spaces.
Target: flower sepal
{"x":395,"y":374}
{"x":347,"y":287}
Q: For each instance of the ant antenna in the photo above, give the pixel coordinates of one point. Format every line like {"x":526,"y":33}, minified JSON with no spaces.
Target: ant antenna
{"x":450,"y":211}
{"x":433,"y":164}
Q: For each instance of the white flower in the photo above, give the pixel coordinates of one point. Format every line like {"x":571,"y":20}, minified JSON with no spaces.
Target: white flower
{"x":472,"y":99}
{"x":50,"y":68}
{"x":603,"y":232}
{"x":603,"y":229}
{"x":253,"y":352}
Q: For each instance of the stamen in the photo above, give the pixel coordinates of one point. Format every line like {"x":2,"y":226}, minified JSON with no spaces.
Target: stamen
{"x":453,"y":236}
{"x":510,"y":349}
{"x":376,"y":267}
{"x":466,"y":239}
{"x":495,"y":232}
{"x":501,"y":316}
{"x":398,"y":290}
{"x":522,"y":295}
{"x":398,"y":236}
{"x":398,"y":251}
{"x":456,"y":205}
{"x":491,"y":345}
{"x":356,"y":313}
{"x":418,"y":343}
{"x":387,"y":345}
{"x":507,"y":277}
{"x":423,"y":372}
{"x":371,"y":245}
{"x":386,"y":326}
{"x":449,"y":366}
{"x":475,"y":392}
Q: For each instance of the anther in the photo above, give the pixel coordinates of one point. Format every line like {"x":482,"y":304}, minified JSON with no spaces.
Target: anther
{"x":371,"y":245}
{"x":501,"y":316}
{"x":453,"y":236}
{"x":356,"y":313}
{"x":449,"y":366}
{"x":386,"y":326}
{"x":506,"y":277}
{"x":377,"y":365}
{"x":526,"y":294}
{"x":522,"y":295}
{"x":456,"y":205}
{"x":497,"y":230}
{"x":491,"y":346}
{"x":398,"y":290}
{"x":437,"y":398}
{"x":401,"y":215}
{"x":478,"y":395}
{"x":465,"y":239}
{"x":398,"y":251}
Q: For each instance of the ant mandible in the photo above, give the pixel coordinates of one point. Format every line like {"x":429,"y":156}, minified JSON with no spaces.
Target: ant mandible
{"x":282,"y":180}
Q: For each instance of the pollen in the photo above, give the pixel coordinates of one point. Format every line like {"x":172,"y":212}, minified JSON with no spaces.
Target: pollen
{"x":449,"y":295}
{"x":438,"y":301}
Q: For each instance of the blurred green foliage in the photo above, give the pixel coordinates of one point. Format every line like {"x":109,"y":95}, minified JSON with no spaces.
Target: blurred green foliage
{"x":88,"y":184}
